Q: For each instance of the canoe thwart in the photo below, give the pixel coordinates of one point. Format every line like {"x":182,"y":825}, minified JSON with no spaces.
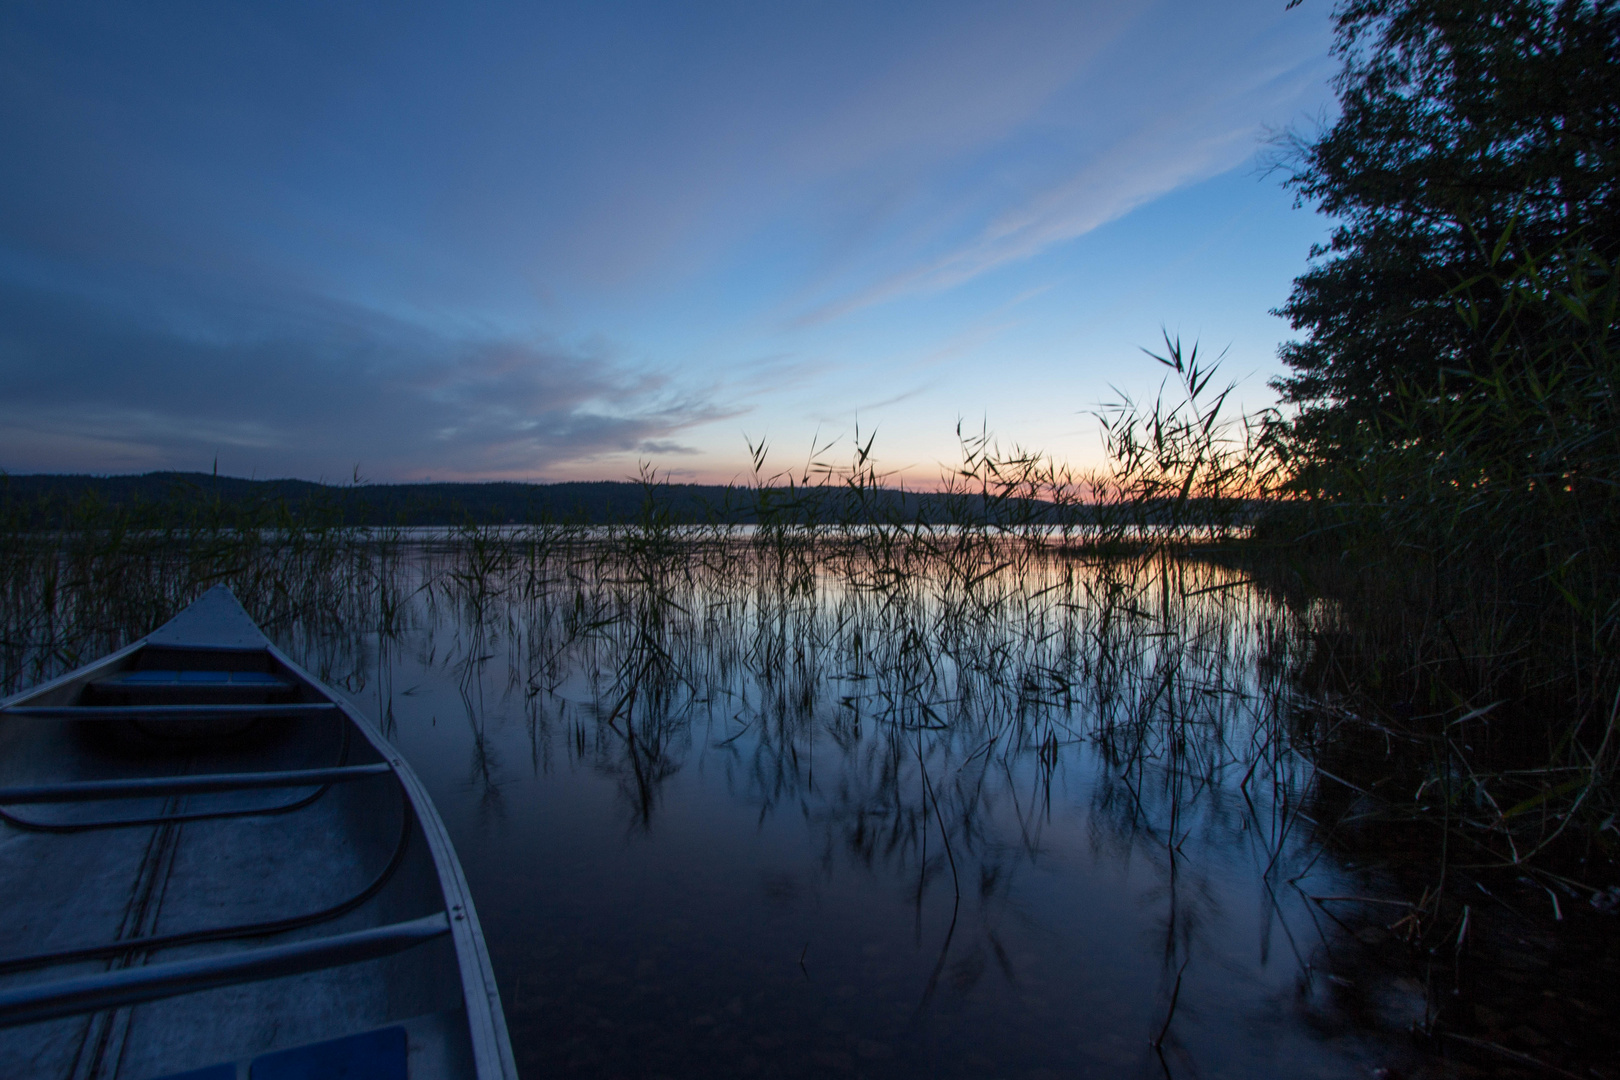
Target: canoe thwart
{"x":144,"y":787}
{"x":151,"y":942}
{"x":130,"y":986}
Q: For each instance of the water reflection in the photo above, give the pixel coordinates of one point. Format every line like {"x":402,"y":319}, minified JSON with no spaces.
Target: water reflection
{"x":730,"y":810}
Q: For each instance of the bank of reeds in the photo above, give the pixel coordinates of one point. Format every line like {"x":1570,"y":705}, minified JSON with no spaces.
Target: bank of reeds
{"x":104,"y":574}
{"x":1474,"y":633}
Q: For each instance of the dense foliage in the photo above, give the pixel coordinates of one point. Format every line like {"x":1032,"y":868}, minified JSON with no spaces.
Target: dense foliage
{"x":1440,"y":491}
{"x":1478,"y":139}
{"x":1457,"y":430}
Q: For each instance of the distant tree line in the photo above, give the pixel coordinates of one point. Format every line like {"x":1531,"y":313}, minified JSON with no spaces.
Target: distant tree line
{"x":52,"y":500}
{"x":43,"y":501}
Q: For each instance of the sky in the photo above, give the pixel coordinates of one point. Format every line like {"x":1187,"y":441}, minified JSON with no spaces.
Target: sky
{"x":558,"y":241}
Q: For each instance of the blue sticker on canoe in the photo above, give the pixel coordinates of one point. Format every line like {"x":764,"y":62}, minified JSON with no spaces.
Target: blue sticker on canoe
{"x":376,"y":1055}
{"x":213,"y":1072}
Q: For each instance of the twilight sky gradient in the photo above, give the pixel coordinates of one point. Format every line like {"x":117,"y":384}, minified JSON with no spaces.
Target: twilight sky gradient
{"x":548,"y":241}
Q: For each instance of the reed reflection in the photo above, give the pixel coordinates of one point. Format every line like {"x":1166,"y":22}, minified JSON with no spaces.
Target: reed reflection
{"x":1059,"y":793}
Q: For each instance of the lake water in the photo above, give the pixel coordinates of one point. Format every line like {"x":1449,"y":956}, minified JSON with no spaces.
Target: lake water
{"x":724,"y":816}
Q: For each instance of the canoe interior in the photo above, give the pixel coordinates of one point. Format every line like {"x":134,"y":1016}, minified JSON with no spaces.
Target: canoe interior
{"x":76,"y":875}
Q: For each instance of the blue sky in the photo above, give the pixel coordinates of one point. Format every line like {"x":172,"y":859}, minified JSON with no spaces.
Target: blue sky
{"x":554,"y":241}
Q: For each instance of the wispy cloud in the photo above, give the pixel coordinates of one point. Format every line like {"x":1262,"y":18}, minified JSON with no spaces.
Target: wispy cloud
{"x":311,"y":388}
{"x":1211,"y":132}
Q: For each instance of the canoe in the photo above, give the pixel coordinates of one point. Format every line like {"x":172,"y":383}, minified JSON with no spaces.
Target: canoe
{"x":212,"y":866}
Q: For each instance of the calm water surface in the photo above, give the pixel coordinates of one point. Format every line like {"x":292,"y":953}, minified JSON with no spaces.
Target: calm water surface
{"x":725,"y":827}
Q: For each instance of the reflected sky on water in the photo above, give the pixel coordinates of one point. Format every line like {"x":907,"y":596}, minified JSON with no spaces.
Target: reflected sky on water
{"x":750,"y":820}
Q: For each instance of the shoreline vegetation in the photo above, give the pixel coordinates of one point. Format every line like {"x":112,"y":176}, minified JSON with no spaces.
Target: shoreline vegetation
{"x":1491,"y":704}
{"x":1191,"y":640}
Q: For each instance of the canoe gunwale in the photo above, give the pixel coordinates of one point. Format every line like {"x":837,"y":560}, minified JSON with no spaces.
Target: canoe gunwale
{"x":486,"y":1021}
{"x":292,"y":710}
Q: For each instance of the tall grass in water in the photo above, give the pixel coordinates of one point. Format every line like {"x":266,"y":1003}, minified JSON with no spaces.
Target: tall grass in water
{"x":1028,"y":610}
{"x":93,"y":576}
{"x":944,"y":663}
{"x":1462,"y":603}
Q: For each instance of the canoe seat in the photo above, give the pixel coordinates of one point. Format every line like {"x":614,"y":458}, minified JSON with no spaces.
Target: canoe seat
{"x":169,"y":686}
{"x":163,"y":681}
{"x":190,"y":678}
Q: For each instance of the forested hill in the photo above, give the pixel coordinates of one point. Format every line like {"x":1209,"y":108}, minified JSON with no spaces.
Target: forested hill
{"x":48,"y":501}
{"x":602,"y":502}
